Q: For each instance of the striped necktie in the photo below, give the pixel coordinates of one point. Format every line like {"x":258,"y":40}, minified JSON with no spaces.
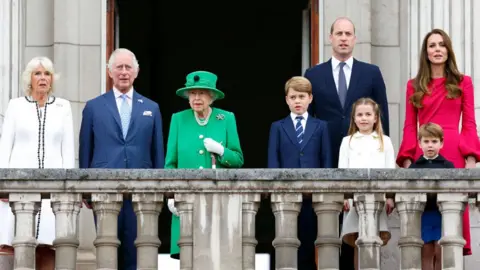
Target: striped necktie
{"x":299,"y":129}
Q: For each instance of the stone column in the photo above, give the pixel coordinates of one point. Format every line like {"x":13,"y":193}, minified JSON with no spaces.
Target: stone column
{"x":327,"y":207}
{"x":410,"y":208}
{"x":106,"y":208}
{"x":452,"y":206}
{"x":217,"y":231}
{"x":184,"y":205}
{"x":66,"y":207}
{"x":25,"y":207}
{"x":86,"y":235}
{"x":147,"y":207}
{"x":369,"y":207}
{"x":286,"y":208}
{"x":250,"y":206}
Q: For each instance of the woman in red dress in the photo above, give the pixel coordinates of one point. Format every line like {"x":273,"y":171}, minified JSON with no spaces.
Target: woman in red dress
{"x":442,"y":95}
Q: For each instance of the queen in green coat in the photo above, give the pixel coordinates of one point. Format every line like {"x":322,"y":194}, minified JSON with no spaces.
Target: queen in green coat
{"x":199,"y":136}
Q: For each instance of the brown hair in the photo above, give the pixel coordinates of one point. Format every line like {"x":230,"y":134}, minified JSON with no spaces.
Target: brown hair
{"x":430,"y":130}
{"x":424,"y":74}
{"x":300,"y":84}
{"x":377,"y":126}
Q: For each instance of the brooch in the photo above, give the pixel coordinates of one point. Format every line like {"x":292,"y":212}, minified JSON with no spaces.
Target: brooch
{"x":140,"y":100}
{"x":220,"y":116}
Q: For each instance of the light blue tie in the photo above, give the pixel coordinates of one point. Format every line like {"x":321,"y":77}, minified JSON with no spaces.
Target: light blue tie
{"x":125,"y":114}
{"x":342,"y":84}
{"x":299,"y":129}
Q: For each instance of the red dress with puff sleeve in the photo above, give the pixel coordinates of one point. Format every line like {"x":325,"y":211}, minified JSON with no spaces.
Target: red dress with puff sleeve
{"x":458,"y":145}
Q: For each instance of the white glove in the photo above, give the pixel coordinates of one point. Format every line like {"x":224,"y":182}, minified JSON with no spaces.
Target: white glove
{"x":213,"y":146}
{"x":171,"y":207}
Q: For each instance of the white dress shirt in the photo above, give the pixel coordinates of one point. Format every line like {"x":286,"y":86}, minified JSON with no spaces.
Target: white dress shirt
{"x":347,"y":69}
{"x":119,"y":100}
{"x":363,"y":151}
{"x":303,"y":121}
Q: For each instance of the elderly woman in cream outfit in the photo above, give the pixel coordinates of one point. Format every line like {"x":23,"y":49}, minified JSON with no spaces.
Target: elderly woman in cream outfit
{"x":37,"y":132}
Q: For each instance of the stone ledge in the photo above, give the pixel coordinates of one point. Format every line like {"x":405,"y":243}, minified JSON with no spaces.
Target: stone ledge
{"x":239,"y":174}
{"x":239,"y":181}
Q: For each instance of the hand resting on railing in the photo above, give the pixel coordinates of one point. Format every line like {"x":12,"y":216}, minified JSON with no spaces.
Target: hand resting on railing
{"x":389,"y":204}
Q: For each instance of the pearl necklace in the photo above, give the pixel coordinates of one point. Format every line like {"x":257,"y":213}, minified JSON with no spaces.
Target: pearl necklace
{"x":203,"y":122}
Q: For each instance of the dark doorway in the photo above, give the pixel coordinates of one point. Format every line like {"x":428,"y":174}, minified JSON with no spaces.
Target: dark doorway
{"x":253,"y":46}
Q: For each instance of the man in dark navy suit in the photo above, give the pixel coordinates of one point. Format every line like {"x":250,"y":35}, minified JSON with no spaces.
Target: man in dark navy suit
{"x":337,"y":84}
{"x":301,"y":141}
{"x":122,"y":129}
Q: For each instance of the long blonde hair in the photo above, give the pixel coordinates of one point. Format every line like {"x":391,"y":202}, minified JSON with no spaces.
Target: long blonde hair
{"x":377,"y":126}
{"x":424,"y":74}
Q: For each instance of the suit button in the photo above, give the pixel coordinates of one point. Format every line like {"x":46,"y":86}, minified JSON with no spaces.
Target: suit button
{"x":200,"y":152}
{"x":201,"y":167}
{"x":301,"y":154}
{"x":125,"y":159}
{"x":343,"y":117}
{"x":200,"y":137}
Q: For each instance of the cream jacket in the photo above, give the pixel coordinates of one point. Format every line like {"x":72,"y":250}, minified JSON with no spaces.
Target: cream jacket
{"x":22,"y":140}
{"x":363,"y":151}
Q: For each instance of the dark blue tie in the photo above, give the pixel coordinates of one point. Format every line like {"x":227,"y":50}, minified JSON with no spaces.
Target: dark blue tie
{"x":299,"y":129}
{"x":342,"y":85}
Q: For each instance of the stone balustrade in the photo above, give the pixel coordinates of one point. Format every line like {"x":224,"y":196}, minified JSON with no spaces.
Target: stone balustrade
{"x":217,"y":210}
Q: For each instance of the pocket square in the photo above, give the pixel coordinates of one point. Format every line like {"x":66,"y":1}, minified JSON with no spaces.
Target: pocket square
{"x":147,"y":113}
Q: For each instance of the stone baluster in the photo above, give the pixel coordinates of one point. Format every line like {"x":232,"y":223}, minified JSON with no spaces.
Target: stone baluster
{"x":369,"y":207}
{"x":327,"y":206}
{"x":25,"y":208}
{"x":250,"y":206}
{"x":184,"y":205}
{"x":66,"y":207}
{"x":106,"y":208}
{"x":410,"y":208}
{"x":147,"y":207}
{"x":452,"y":206}
{"x":286,"y":208}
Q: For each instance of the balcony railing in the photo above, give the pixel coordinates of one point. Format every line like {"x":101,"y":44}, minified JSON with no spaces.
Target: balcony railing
{"x":217,"y":210}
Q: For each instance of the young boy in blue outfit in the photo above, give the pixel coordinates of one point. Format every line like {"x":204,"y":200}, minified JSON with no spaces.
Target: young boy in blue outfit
{"x":430,"y":137}
{"x":300,"y":141}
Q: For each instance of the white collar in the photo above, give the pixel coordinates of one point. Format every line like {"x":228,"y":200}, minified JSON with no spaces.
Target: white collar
{"x":293,"y":116}
{"x":117,"y":93}
{"x":430,"y":158}
{"x":360,"y":135}
{"x":336,"y":62}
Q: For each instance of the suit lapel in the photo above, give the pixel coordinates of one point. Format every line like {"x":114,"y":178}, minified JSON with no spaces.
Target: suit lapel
{"x":310,"y":127}
{"x":111,"y":104}
{"x":137,"y":101}
{"x":356,"y":74}
{"x":330,"y":83}
{"x":287,"y":125}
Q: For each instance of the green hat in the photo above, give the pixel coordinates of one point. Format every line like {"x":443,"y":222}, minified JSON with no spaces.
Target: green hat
{"x":201,"y":80}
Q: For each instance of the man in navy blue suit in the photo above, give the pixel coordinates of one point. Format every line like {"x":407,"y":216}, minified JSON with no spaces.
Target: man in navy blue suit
{"x":301,"y":141}
{"x":337,"y":84}
{"x":122,"y":129}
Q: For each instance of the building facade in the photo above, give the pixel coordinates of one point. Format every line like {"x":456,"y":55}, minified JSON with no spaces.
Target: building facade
{"x":73,"y":33}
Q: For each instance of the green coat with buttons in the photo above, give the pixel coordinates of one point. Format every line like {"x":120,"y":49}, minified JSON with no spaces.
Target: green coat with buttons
{"x":185,"y":149}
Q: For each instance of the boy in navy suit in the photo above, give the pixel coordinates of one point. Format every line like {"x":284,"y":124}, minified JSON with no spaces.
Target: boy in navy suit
{"x":301,"y":141}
